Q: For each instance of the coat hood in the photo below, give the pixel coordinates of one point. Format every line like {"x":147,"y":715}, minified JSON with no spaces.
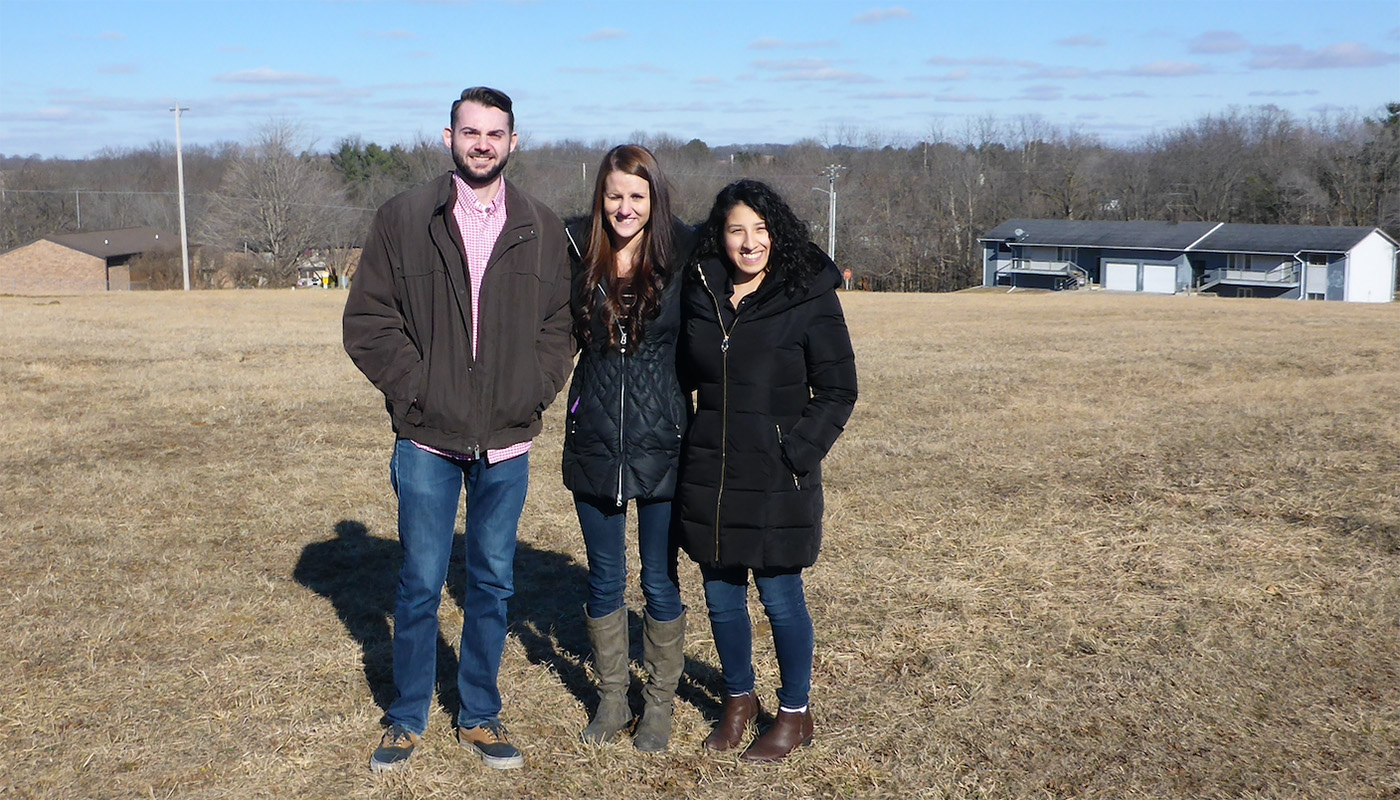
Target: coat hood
{"x":820,"y":275}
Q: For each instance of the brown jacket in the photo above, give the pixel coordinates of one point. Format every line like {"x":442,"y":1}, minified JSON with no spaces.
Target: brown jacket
{"x":407,"y":323}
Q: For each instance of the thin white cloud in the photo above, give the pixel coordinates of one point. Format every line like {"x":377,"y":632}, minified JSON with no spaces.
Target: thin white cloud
{"x":793,"y":64}
{"x":882,"y":14}
{"x":981,"y":61}
{"x":811,"y":69}
{"x":830,"y":74}
{"x":769,"y":43}
{"x":118,"y":69}
{"x":1082,"y":40}
{"x":707,"y":80}
{"x":1057,"y":74}
{"x":605,"y":35}
{"x":1216,"y":42}
{"x":951,"y":76}
{"x":112,"y":36}
{"x":391,"y":35}
{"x":1285,"y":93}
{"x":267,"y":75}
{"x":899,"y":95}
{"x":1344,"y":55}
{"x":961,"y":98}
{"x":1042,"y":93}
{"x":1088,"y":98}
{"x":45,"y":114}
{"x":1166,"y":69}
{"x":658,"y":108}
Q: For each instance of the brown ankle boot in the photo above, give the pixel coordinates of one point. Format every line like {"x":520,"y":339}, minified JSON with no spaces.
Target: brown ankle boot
{"x":738,"y":713}
{"x":792,"y":730}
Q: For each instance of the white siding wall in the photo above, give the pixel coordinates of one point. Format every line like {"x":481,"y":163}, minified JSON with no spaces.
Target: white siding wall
{"x":1371,"y":271}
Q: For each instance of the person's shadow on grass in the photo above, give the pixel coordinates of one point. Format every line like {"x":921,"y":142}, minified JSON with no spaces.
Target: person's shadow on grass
{"x":358,"y":574}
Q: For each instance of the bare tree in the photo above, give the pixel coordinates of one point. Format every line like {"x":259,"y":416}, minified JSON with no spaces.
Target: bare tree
{"x":279,"y":202}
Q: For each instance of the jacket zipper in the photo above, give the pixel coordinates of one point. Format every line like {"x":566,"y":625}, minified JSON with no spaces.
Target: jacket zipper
{"x":779,"y":429}
{"x":621,"y":411}
{"x":724,"y":404}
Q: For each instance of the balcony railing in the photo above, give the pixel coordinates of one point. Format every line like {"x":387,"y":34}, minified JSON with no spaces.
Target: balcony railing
{"x":1282,"y":275}
{"x":1038,"y":267}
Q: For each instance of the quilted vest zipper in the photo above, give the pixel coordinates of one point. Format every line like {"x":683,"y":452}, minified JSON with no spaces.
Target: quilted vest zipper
{"x":621,"y":411}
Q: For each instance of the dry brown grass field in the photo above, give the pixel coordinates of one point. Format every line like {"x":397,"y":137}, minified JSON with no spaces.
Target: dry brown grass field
{"x":1077,"y":545}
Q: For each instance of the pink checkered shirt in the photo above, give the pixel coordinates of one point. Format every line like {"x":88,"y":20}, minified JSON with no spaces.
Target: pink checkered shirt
{"x":480,"y":226}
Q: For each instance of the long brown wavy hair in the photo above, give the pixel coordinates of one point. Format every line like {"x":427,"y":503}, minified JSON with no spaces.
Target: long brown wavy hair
{"x":650,"y":273}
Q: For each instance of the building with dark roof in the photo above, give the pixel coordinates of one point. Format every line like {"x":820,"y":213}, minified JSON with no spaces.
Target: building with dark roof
{"x":1228,"y":259}
{"x":92,"y":261}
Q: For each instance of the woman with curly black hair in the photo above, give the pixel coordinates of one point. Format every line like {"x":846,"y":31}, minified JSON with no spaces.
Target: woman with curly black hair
{"x":764,"y":345}
{"x":622,"y":438}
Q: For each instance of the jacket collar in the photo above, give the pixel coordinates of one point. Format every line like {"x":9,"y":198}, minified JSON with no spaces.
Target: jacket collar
{"x":772,"y":297}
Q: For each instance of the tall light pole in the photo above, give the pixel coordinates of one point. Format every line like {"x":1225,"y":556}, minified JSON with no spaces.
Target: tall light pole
{"x":180,"y":178}
{"x":830,"y":172}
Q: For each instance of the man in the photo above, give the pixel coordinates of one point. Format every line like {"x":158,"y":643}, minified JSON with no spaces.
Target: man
{"x":459,"y":314}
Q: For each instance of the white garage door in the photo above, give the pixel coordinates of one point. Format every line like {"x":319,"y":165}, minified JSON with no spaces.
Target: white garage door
{"x":1158,"y":279}
{"x":1120,"y":277}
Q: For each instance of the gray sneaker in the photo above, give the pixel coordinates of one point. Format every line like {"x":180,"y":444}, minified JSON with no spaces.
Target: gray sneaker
{"x":394,"y":750}
{"x":489,"y":741}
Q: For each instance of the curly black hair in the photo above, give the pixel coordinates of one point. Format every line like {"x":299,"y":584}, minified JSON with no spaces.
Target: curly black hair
{"x":789,"y":261}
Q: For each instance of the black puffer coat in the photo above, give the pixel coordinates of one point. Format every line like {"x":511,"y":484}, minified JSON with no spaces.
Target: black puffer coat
{"x":776,"y":383}
{"x":626,"y":410}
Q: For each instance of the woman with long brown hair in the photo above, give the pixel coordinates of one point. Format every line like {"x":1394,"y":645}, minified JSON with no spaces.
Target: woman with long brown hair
{"x":622,"y":439}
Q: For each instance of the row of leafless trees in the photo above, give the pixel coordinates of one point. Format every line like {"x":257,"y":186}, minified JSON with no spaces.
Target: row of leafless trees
{"x":908,"y":216}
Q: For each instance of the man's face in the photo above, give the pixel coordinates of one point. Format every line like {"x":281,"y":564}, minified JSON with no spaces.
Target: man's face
{"x":481,"y":142}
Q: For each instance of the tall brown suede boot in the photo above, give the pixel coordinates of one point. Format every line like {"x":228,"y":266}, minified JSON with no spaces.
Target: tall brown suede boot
{"x":739,"y":713}
{"x":792,"y":730}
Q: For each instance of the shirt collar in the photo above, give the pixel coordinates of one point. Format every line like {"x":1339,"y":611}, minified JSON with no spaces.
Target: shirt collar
{"x":467,"y":198}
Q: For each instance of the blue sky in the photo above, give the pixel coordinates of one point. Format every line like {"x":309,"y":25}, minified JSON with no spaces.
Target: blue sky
{"x":76,"y":77}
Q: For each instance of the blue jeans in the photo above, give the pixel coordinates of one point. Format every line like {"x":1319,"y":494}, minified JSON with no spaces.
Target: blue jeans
{"x":429,"y":488}
{"x":726,"y":594}
{"x":604,"y":525}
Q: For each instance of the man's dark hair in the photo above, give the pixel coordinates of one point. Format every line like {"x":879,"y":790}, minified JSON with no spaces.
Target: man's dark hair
{"x":483,"y":96}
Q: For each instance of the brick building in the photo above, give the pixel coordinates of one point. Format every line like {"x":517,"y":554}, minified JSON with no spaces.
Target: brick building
{"x":93,"y":261}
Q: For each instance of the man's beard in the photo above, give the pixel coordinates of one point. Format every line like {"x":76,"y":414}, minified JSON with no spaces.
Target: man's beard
{"x":473,"y":179}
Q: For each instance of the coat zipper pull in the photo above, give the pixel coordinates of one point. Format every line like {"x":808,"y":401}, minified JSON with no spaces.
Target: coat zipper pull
{"x":724,"y":344}
{"x":795,"y":484}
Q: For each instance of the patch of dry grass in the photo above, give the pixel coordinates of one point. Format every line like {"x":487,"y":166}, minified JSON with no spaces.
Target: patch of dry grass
{"x":1077,"y":545}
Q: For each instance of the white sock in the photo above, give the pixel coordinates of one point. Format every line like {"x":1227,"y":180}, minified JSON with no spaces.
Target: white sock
{"x":802,"y":710}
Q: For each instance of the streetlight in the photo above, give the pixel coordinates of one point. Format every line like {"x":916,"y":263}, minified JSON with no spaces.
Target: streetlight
{"x":830,"y":172}
{"x":180,"y":177}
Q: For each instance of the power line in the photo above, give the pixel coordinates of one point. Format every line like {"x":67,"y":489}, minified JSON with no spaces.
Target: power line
{"x":203,"y":196}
